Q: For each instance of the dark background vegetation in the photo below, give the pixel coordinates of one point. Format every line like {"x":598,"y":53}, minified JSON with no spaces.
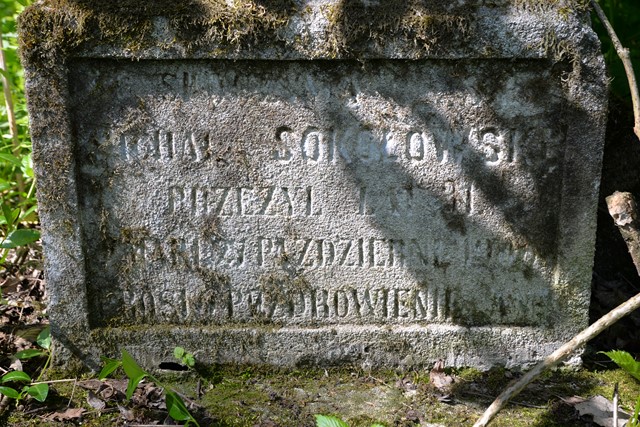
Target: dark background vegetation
{"x":614,"y":276}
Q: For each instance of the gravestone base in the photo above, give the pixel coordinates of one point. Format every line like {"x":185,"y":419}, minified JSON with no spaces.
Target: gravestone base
{"x":363,"y":346}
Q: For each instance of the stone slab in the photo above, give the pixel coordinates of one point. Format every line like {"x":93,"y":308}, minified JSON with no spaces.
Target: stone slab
{"x":323,"y":196}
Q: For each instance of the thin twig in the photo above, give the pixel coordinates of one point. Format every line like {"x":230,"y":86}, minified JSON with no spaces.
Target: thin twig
{"x":615,"y":405}
{"x":513,"y":402}
{"x":73,"y":391}
{"x":36,"y":410}
{"x":54,"y":381}
{"x":623,"y":53}
{"x":559,"y":355}
{"x":4,"y":403}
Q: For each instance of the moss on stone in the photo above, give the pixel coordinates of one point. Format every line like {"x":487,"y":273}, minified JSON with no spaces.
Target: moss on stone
{"x":353,"y":24}
{"x":57,"y":28}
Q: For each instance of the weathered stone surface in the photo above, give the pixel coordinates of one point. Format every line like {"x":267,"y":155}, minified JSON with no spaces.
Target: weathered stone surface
{"x":312,"y":193}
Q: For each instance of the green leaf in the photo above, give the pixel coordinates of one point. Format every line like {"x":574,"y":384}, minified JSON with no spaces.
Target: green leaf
{"x":8,"y":215}
{"x":39,"y":391}
{"x":110,"y":365}
{"x":133,"y":384}
{"x":377,"y":425}
{"x":178,"y":352}
{"x":20,"y":237}
{"x":329,"y":421}
{"x":176,"y":407}
{"x":28,"y":354}
{"x":44,"y":338}
{"x":15,"y":376}
{"x":625,"y":361}
{"x":189,"y":360}
{"x":636,"y":414}
{"x":130,"y":366}
{"x":10,"y":158}
{"x":9,"y":392}
{"x":133,"y":371}
{"x":26,"y":165}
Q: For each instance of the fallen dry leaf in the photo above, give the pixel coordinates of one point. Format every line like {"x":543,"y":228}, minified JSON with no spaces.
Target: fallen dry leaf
{"x":68,"y":415}
{"x":601,"y":409}
{"x":95,"y":401}
{"x":92,"y":385}
{"x":573,"y":400}
{"x":439,"y":378}
{"x":108,"y":389}
{"x":127,"y":414}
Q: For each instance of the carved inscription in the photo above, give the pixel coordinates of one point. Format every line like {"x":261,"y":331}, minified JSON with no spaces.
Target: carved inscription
{"x":165,"y":146}
{"x":347,"y":304}
{"x":275,"y":201}
{"x":435,"y":146}
{"x":313,"y":146}
{"x":311,"y":195}
{"x":212,"y":253}
{"x":243,"y":201}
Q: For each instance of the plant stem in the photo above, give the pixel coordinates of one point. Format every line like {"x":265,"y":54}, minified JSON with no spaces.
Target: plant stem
{"x":46,"y":364}
{"x":623,"y":53}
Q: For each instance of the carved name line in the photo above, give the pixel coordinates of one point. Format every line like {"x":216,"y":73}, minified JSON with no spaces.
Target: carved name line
{"x":329,"y":147}
{"x":212,"y":254}
{"x":431,"y":146}
{"x":165,"y":146}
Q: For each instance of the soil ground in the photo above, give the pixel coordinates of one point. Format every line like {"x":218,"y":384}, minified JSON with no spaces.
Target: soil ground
{"x":263,"y":397}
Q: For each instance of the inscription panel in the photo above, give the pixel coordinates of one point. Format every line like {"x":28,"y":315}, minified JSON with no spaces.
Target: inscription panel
{"x":310,"y":193}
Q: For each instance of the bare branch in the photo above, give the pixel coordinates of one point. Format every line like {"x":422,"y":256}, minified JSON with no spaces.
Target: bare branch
{"x":558,"y":356}
{"x":622,"y":208}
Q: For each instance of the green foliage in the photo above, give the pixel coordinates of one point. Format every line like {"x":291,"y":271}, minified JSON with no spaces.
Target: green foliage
{"x":624,"y":16}
{"x":17,"y":186}
{"x":635,"y":418}
{"x":110,"y":365}
{"x":627,"y":363}
{"x":37,"y":390}
{"x":134,"y":372}
{"x":175,"y":405}
{"x":331,"y":421}
{"x":184,"y":357}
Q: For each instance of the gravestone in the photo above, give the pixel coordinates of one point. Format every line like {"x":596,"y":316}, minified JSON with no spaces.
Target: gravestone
{"x":316,"y":182}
